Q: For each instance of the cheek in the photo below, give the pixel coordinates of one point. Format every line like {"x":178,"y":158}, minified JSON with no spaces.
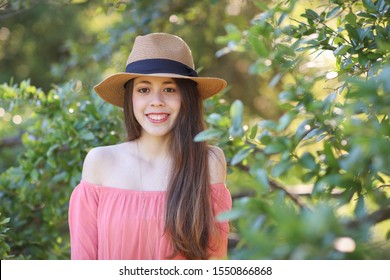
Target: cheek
{"x":138,"y":109}
{"x":177,"y":103}
{"x":134,"y":99}
{"x":137,"y":103}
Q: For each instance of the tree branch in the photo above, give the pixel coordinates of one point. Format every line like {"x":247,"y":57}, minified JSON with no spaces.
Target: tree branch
{"x":376,"y":217}
{"x":276,"y":186}
{"x":7,"y":13}
{"x":10,"y":142}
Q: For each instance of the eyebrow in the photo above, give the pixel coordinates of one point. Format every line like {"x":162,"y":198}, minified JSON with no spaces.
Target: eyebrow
{"x":148,"y":82}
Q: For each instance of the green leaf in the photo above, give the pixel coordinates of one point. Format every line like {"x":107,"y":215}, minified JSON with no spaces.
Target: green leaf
{"x":253,"y":132}
{"x":262,"y":177}
{"x":363,"y":59}
{"x":351,"y":160}
{"x":360,"y":209}
{"x":236,"y":132}
{"x":369,"y":5}
{"x":217,"y":119}
{"x":258,"y":68}
{"x":51,"y":162}
{"x":265,"y":137}
{"x":60,"y":176}
{"x":258,"y":45}
{"x":282,"y":17}
{"x":51,"y":149}
{"x":307,"y":160}
{"x":314,"y":132}
{"x":233,"y":214}
{"x":287,"y":95}
{"x":233,"y":35}
{"x":333,"y":179}
{"x":329,"y":101}
{"x":307,"y":177}
{"x":272,"y":125}
{"x":310,"y":14}
{"x":333,"y":12}
{"x":352,"y":32}
{"x":302,"y":129}
{"x":351,"y":18}
{"x":241,"y":155}
{"x":34,"y":175}
{"x":4,"y":221}
{"x":274,"y":148}
{"x":328,"y":151}
{"x":261,"y":6}
{"x":281,"y":168}
{"x":319,"y":187}
{"x":342,"y":50}
{"x":275,"y":80}
{"x":285,"y":120}
{"x":87,"y":136}
{"x":208,"y":134}
{"x":236,"y":112}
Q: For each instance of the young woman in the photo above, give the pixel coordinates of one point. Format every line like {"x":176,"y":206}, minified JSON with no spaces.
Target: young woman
{"x":157,"y":195}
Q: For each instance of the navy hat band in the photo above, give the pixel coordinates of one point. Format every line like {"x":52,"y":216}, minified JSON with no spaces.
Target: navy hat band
{"x":159,"y":65}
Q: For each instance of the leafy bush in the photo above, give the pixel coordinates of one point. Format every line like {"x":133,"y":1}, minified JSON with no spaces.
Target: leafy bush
{"x":334,"y":143}
{"x":313,"y":183}
{"x":4,"y":247}
{"x":57,"y":135}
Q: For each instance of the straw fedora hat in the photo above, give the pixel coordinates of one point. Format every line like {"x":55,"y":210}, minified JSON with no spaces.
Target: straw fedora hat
{"x":161,"y":55}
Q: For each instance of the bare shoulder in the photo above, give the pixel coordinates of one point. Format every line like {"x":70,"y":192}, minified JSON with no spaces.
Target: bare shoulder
{"x":217,"y":165}
{"x":97,"y":163}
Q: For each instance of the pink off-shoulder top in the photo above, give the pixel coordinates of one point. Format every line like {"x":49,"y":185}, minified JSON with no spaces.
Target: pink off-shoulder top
{"x":118,"y":224}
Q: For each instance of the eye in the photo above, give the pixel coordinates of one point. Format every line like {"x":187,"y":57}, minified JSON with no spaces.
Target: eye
{"x":143,"y":90}
{"x":170,"y":90}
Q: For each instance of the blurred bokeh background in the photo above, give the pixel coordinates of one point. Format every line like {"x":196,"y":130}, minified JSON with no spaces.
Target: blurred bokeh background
{"x":304,"y":122}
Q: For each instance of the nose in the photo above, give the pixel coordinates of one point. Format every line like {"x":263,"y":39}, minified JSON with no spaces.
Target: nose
{"x":157,"y":99}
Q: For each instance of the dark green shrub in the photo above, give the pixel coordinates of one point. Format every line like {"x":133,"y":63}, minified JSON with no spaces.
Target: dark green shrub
{"x":60,"y":127}
{"x":333,"y":138}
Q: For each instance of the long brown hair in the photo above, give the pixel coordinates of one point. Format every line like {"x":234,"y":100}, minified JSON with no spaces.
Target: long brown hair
{"x":189,"y":218}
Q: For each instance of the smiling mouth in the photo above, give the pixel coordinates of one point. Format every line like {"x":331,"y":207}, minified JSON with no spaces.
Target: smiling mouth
{"x":157,"y":118}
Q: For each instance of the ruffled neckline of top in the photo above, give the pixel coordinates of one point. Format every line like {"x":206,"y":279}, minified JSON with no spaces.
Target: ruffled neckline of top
{"x":105,"y":188}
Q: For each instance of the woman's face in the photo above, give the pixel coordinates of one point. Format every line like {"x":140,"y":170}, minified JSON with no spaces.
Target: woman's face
{"x":156,"y":104}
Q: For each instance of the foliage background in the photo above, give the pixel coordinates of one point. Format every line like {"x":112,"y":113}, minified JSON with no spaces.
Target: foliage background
{"x":304,"y":124}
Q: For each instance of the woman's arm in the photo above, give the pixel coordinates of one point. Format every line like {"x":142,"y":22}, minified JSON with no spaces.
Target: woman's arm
{"x":82,"y":216}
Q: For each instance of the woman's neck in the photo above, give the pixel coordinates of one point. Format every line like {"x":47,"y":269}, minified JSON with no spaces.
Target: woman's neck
{"x":153,"y":148}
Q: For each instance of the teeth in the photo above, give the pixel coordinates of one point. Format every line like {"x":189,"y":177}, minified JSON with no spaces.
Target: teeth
{"x":158,"y":117}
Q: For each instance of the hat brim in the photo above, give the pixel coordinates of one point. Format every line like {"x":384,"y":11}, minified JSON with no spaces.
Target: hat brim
{"x":112,"y":88}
